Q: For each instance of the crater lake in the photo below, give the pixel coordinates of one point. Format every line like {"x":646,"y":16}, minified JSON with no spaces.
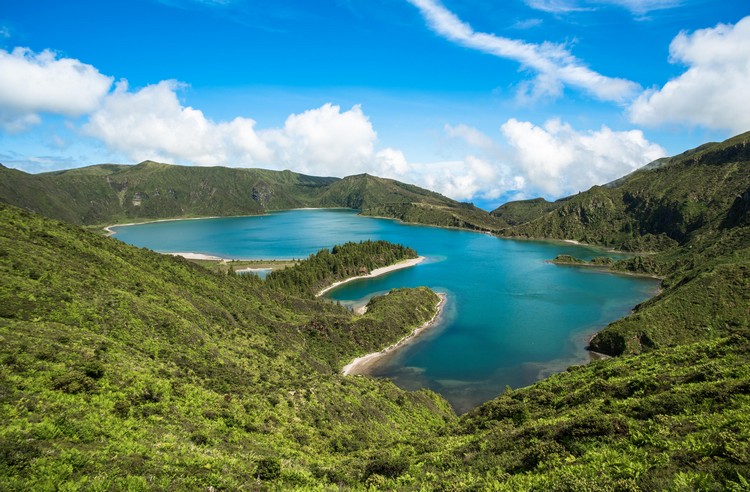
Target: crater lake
{"x":511,"y":318}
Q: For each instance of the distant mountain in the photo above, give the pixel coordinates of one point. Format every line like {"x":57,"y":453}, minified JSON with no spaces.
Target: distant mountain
{"x":110,"y":193}
{"x":389,"y":198}
{"x":663,"y":205}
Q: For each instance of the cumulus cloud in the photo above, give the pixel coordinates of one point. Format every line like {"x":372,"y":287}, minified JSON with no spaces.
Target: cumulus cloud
{"x":554,"y":64}
{"x":558,"y":160}
{"x":33,"y":83}
{"x":152,"y":124}
{"x":324,"y":140}
{"x":712,"y":92}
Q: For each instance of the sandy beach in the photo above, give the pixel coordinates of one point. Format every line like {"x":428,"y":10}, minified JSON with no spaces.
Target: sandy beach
{"x":197,"y":256}
{"x":110,"y":232}
{"x":375,"y":273}
{"x":361,"y":365}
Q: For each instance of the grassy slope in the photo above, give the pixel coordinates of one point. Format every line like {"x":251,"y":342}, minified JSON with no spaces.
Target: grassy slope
{"x":389,"y":198}
{"x":673,"y":419}
{"x":122,"y":368}
{"x":106,"y":194}
{"x":652,"y":209}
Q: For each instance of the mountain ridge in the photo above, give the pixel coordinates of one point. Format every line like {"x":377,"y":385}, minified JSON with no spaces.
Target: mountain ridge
{"x":104,"y":194}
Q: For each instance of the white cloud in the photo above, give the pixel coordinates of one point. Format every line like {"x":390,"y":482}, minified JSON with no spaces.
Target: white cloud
{"x":556,"y":6}
{"x":324,"y":141}
{"x":558,"y":160}
{"x":639,"y":7}
{"x":470,"y":178}
{"x":554,"y":64}
{"x":713,"y":92}
{"x":33,"y":83}
{"x":527,"y":23}
{"x":643,"y":6}
{"x":470,"y":135}
{"x":152,"y":124}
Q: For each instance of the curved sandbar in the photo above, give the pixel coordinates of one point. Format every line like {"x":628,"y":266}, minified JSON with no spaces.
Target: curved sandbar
{"x":197,"y":256}
{"x":375,"y":273}
{"x":361,"y":365}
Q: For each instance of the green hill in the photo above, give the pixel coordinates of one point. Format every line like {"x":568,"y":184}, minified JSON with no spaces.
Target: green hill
{"x":126,"y":369}
{"x":663,"y":205}
{"x":691,"y":212}
{"x":380,"y":197}
{"x":123,"y":369}
{"x":109,"y":193}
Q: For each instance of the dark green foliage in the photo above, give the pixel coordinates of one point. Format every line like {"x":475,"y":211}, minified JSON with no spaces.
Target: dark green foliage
{"x":653,"y":209}
{"x":523,"y":211}
{"x":124,"y":369}
{"x":192,"y":379}
{"x":672,"y":419}
{"x":379,"y":197}
{"x":108,"y":193}
{"x":326,"y":267}
{"x":568,"y":260}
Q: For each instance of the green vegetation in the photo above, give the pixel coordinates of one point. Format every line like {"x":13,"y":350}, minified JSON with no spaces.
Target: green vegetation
{"x":599,"y":261}
{"x":124,"y":369}
{"x":326,"y":267}
{"x":109,"y":193}
{"x":379,"y":197}
{"x":226,"y":266}
{"x":522,"y":211}
{"x":673,"y":419}
{"x":653,"y":209}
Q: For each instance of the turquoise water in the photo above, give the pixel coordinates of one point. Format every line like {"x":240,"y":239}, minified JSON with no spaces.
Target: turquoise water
{"x":511,"y":317}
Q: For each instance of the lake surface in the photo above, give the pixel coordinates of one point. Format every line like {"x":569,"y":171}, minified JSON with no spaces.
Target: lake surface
{"x":511,"y":317}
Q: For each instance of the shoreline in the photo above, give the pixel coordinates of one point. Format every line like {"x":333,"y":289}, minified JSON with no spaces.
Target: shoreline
{"x":197,"y":256}
{"x":110,"y":232}
{"x":360,"y":365}
{"x":267,"y":212}
{"x":604,"y":269}
{"x":376,"y":273}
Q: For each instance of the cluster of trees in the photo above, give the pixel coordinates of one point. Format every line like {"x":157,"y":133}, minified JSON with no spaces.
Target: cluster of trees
{"x":325,"y":267}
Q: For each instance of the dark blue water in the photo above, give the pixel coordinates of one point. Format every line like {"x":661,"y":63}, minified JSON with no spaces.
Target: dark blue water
{"x":511,"y":317}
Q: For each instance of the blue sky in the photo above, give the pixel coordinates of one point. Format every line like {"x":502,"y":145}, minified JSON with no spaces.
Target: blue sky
{"x":482,"y":101}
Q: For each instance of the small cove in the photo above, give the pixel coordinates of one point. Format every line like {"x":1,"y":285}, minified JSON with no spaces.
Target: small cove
{"x":511,"y":318}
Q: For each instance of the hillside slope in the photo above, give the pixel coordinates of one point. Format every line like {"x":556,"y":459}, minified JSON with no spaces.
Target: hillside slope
{"x":692,"y":212}
{"x":108,"y":193}
{"x":653,"y":209}
{"x":380,"y":197}
{"x":126,"y":369}
{"x":149,"y":190}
